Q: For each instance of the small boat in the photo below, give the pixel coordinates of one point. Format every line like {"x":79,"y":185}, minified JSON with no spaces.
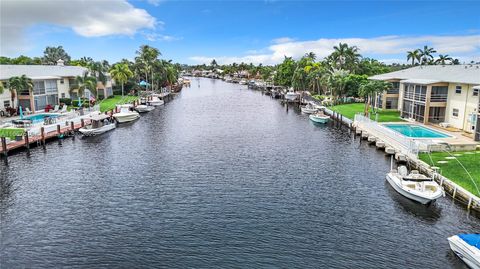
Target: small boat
{"x":414,"y":186}
{"x":319,"y":117}
{"x":467,"y":248}
{"x":126,"y":114}
{"x":243,"y":82}
{"x":144,"y":108}
{"x":99,"y":124}
{"x":291,"y":95}
{"x":309,"y":109}
{"x":155,"y":101}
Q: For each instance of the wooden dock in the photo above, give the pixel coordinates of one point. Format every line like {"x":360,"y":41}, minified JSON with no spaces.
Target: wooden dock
{"x":41,"y":139}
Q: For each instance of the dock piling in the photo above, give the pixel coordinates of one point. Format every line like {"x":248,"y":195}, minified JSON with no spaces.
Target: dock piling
{"x":42,"y":133}
{"x":4,"y":147}
{"x":27,"y":142}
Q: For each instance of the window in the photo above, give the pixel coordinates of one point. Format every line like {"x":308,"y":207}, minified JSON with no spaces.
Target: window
{"x":458,"y":89}
{"x":455,"y":112}
{"x":51,"y":86}
{"x":475,"y":92}
{"x":38,"y":87}
{"x":63,"y":95}
{"x":6,"y":103}
{"x":61,"y":81}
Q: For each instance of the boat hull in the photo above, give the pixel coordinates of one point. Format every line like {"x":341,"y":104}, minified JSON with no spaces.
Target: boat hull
{"x":96,"y":131}
{"x":144,"y":109}
{"x":395,"y":182}
{"x":291,"y":96}
{"x":306,"y":110}
{"x":126,"y":117}
{"x":469,"y":254}
{"x":316,"y":119}
{"x":156,"y":103}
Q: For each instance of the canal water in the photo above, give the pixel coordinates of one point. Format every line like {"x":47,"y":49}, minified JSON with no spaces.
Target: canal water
{"x":221,"y":177}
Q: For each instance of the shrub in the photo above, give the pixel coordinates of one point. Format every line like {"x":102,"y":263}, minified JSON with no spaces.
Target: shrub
{"x":66,"y":101}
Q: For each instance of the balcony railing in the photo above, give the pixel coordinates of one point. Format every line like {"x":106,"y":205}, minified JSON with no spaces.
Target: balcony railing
{"x":393,"y":91}
{"x":438,"y":98}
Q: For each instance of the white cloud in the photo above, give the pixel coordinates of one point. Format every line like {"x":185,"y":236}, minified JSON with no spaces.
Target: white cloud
{"x":384,"y":47}
{"x":281,"y":40}
{"x":87,"y":18}
{"x":159,"y":37}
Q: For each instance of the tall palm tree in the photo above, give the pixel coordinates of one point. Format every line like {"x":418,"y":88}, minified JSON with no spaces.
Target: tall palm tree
{"x":146,"y":58}
{"x":83,"y":83}
{"x":121,"y":73}
{"x":345,"y":57}
{"x":413,"y":55}
{"x":443,"y":59}
{"x":426,"y":54}
{"x":16,"y":84}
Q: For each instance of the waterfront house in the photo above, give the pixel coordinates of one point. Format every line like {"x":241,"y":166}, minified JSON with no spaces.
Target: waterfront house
{"x":446,"y":95}
{"x":51,"y":82}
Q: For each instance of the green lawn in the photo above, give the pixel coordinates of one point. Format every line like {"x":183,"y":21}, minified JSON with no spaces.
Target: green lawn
{"x":110,"y":103}
{"x":349,"y":111}
{"x":454,"y":171}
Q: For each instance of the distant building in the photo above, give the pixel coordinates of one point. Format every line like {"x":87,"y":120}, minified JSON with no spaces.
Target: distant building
{"x":50,"y":83}
{"x":447,"y":94}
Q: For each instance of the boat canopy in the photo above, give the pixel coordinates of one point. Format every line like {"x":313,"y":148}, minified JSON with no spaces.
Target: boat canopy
{"x":471,"y":239}
{"x":99,"y":117}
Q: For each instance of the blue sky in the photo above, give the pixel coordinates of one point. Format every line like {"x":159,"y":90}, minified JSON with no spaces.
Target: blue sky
{"x":249,"y":31}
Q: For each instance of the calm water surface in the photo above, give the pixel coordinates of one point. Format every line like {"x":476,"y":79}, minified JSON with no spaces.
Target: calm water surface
{"x":221,"y":177}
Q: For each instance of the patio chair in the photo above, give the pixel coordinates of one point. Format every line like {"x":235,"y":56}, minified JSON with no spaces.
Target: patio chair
{"x":56,"y":109}
{"x":64,"y":109}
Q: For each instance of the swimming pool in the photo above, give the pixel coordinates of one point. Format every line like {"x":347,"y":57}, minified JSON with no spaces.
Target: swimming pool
{"x":415,"y":131}
{"x":40,"y":117}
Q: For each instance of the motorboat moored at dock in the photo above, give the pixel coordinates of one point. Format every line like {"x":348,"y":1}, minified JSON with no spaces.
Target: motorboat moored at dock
{"x":309,"y":109}
{"x":126,"y":114}
{"x":144,"y":108}
{"x":155,"y":101}
{"x":99,"y":124}
{"x":467,"y":248}
{"x":319,"y":117}
{"x":414,"y":185}
{"x":292,"y":96}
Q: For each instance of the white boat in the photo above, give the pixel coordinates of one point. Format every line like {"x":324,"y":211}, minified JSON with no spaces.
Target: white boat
{"x":291,"y":95}
{"x":144,"y":108}
{"x":243,"y":82}
{"x":414,"y":186}
{"x":99,"y":124}
{"x":155,"y":101}
{"x":309,"y":109}
{"x":467,"y":248}
{"x":126,"y":114}
{"x":319,"y":117}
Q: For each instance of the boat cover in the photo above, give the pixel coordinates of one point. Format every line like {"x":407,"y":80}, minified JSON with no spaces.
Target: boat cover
{"x":471,"y":239}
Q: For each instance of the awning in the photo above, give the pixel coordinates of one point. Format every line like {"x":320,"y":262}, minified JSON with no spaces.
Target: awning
{"x":476,"y":87}
{"x":420,"y":81}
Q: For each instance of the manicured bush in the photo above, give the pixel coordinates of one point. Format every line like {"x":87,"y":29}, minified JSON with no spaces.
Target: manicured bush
{"x":66,"y":101}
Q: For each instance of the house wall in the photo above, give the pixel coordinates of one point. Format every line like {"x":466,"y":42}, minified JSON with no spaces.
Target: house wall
{"x":5,"y":96}
{"x":63,"y":87}
{"x":466,"y":104}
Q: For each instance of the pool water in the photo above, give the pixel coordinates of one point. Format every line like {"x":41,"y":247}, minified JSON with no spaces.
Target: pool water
{"x":412,"y":130}
{"x":40,"y":117}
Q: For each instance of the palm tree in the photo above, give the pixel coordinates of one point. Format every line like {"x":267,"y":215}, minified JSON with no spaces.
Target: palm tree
{"x":369,"y":89}
{"x":83,"y":83}
{"x":442,"y":59}
{"x":426,"y":54}
{"x":16,"y":84}
{"x":345,"y":57}
{"x":1,"y":87}
{"x":121,"y":73}
{"x":413,"y":55}
{"x":146,"y":58}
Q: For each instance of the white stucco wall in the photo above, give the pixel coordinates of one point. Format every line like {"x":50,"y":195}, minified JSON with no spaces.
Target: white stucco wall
{"x":466,"y":104}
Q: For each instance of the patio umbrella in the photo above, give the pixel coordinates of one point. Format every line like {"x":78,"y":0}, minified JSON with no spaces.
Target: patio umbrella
{"x":21,"y":112}
{"x":144,"y":83}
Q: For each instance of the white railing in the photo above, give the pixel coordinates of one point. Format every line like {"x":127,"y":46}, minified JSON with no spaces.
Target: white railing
{"x":405,"y":144}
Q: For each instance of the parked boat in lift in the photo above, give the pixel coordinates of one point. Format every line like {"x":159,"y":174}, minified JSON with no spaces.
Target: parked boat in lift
{"x":309,"y":109}
{"x":99,"y":124}
{"x":467,"y":248}
{"x":126,"y":114}
{"x":291,"y":95}
{"x":414,"y":185}
{"x":144,"y":108}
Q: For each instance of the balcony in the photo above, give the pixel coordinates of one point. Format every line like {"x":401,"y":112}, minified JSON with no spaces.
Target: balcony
{"x":438,"y":98}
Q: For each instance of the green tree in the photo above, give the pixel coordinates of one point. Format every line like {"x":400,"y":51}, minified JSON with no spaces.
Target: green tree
{"x":285,"y":72}
{"x":83,"y":83}
{"x":353,"y":83}
{"x":344,"y":57}
{"x":146,"y":57}
{"x":368,"y":90}
{"x":443,"y":59}
{"x":121,"y":73}
{"x":337,"y":80}
{"x":16,"y":84}
{"x":426,"y":54}
{"x":52,"y":54}
{"x":413,"y":55}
